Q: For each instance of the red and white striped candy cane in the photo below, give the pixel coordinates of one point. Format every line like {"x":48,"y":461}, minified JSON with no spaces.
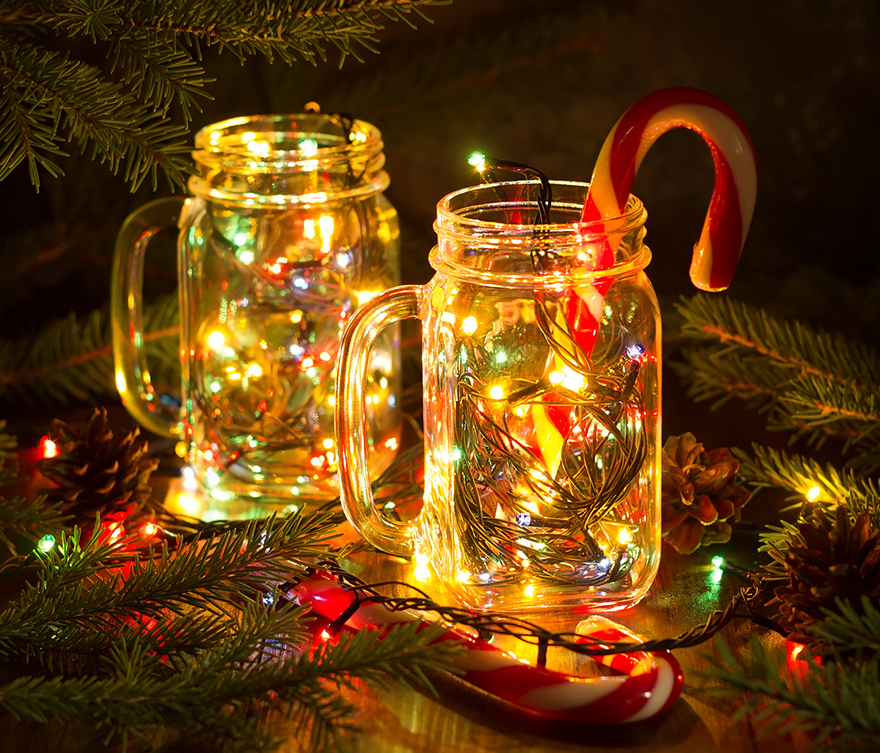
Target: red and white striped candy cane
{"x":733,"y":198}
{"x":652,"y":683}
{"x":724,"y":230}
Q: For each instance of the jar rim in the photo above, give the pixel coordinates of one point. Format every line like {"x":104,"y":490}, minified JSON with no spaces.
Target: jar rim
{"x":264,"y":158}
{"x":490,"y":239}
{"x":452,"y":222}
{"x":238,"y":139}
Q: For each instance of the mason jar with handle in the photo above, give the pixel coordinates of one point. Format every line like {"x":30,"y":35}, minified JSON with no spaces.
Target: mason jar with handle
{"x":286,"y":232}
{"x":542,"y":433}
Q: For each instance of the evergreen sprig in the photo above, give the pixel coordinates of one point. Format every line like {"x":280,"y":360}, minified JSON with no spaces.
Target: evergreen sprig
{"x":856,"y":630}
{"x":152,"y":65}
{"x":813,"y":384}
{"x":187,"y":639}
{"x":837,"y":704}
{"x":72,"y":359}
{"x":227,"y":692}
{"x":799,"y":474}
{"x":75,"y":588}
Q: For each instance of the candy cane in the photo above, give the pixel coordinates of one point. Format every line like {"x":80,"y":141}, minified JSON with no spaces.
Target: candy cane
{"x":727,"y":221}
{"x":652,"y":684}
{"x":733,"y":197}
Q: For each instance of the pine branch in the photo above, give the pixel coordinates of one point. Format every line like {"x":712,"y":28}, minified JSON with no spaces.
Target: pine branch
{"x":809,"y":383}
{"x":768,"y":467}
{"x":802,"y":476}
{"x":217,"y":691}
{"x":73,"y":360}
{"x":851,"y":629}
{"x":75,"y":588}
{"x":826,"y":407}
{"x":160,"y":74}
{"x":725,"y":373}
{"x":49,"y":95}
{"x":154,"y":51}
{"x":790,"y":344}
{"x":839,"y":705}
{"x":130,"y":694}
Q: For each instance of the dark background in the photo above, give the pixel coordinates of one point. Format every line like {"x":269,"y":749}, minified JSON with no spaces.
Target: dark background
{"x":542,"y":82}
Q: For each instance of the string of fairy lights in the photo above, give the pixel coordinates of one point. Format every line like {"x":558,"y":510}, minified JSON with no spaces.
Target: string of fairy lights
{"x":173,"y":531}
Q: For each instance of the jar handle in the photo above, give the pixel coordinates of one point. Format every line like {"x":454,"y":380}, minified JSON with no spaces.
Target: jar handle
{"x":126,"y":313}
{"x":394,"y":537}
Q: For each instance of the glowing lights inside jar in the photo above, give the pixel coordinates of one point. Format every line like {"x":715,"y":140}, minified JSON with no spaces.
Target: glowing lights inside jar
{"x":272,"y":284}
{"x":554,"y":444}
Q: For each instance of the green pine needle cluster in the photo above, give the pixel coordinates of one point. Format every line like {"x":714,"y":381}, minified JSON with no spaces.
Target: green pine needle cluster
{"x":105,"y":75}
{"x":72,"y":359}
{"x":817,"y":387}
{"x":813,"y":384}
{"x":192,"y":641}
{"x":837,"y":705}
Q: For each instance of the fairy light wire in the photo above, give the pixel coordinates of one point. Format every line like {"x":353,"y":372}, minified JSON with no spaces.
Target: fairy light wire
{"x":486,"y":167}
{"x":488,"y":623}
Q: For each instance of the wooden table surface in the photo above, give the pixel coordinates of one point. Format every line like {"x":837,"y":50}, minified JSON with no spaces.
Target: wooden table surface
{"x":462,"y":718}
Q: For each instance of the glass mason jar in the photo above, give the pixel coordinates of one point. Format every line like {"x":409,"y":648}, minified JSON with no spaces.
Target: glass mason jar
{"x":541,"y":379}
{"x":286,"y":233}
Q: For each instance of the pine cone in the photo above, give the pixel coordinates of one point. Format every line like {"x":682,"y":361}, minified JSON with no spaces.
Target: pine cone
{"x":838,"y":560}
{"x":97,"y":471}
{"x":700,"y":496}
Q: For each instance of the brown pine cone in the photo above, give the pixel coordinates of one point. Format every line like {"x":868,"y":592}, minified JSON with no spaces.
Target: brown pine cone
{"x":838,"y":560}
{"x":97,"y":470}
{"x":700,"y":496}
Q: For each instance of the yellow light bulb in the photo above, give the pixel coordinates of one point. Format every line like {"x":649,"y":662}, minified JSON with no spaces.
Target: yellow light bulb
{"x":216,"y":340}
{"x":259,"y":147}
{"x":469,"y":325}
{"x":325,"y":226}
{"x":496,"y":392}
{"x":813,"y":493}
{"x":422,"y":572}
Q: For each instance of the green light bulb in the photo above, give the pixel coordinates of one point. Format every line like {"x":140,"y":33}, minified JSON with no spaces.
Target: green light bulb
{"x":477,"y":160}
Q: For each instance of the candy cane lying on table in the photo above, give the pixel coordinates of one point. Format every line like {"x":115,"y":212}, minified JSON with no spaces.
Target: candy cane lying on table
{"x":652,"y":684}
